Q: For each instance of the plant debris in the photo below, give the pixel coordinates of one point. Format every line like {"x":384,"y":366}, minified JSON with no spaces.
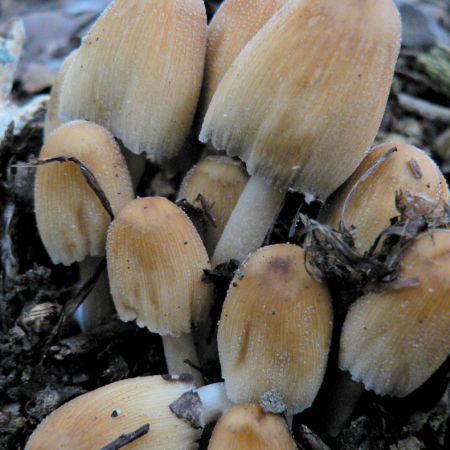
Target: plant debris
{"x":126,"y":439}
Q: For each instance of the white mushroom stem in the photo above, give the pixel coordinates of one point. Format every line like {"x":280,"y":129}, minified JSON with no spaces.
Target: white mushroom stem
{"x":250,"y":221}
{"x":202,"y":406}
{"x":179,"y":349}
{"x":345,"y":396}
{"x":97,"y":308}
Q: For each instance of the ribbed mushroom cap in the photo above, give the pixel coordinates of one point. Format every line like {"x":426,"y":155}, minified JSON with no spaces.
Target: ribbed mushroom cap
{"x":246,"y":427}
{"x":303,"y":101}
{"x":275,"y":329}
{"x":97,"y":418}
{"x":138,"y":73}
{"x":232,"y":27}
{"x":155,"y":267}
{"x":372,"y":204}
{"x":394,"y":339}
{"x":52,"y":120}
{"x":220,"y":180}
{"x":71,"y":220}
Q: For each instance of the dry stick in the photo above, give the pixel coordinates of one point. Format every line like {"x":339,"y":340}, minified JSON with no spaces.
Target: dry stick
{"x":126,"y":439}
{"x":364,"y":177}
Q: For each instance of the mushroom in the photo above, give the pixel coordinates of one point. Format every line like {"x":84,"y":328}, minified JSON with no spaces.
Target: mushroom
{"x":219,"y":181}
{"x":156,"y":261}
{"x":274,"y":337}
{"x":231,"y":28}
{"x":71,"y":220}
{"x":367,"y":200}
{"x":300,"y":105}
{"x":247,"y":427}
{"x":138,"y":73}
{"x":275,"y":329}
{"x":98,"y":418}
{"x":395,"y":338}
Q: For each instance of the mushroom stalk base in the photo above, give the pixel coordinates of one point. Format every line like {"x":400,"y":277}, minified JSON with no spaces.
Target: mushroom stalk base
{"x":177,"y":350}
{"x":249,"y":222}
{"x":97,"y":308}
{"x":346,"y":394}
{"x":202,"y":406}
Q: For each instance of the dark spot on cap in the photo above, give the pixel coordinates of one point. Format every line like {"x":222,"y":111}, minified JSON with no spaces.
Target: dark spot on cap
{"x":281,"y":265}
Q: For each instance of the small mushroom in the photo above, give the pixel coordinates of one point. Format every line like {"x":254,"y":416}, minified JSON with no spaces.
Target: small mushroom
{"x":275,"y":329}
{"x":395,"y":338}
{"x":367,"y":200}
{"x":71,"y":220}
{"x":98,"y":418}
{"x":246,"y":427}
{"x":218,"y":181}
{"x":300,"y":105}
{"x":156,"y":261}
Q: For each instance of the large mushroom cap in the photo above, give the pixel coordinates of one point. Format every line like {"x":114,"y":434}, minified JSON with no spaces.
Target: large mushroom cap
{"x":99,"y":417}
{"x":275,"y":329}
{"x":394,"y":339}
{"x":71,"y":220}
{"x":303,"y":101}
{"x":156,"y":261}
{"x":138,"y":73}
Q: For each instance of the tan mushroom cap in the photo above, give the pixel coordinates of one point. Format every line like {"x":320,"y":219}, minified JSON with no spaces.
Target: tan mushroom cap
{"x":52,"y":119}
{"x":71,"y":220}
{"x":394,"y":339}
{"x":303,"y":101}
{"x":275,"y":329}
{"x":246,"y":427}
{"x":156,"y":261}
{"x":220,"y":180}
{"x":97,"y":418}
{"x":372,"y":204}
{"x":231,"y":28}
{"x":138,"y":73}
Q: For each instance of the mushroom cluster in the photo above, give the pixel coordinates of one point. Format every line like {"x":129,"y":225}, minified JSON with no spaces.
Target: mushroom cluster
{"x":295,"y":89}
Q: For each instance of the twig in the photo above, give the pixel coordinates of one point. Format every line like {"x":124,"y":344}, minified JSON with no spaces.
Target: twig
{"x":126,"y":439}
{"x":87,"y":174}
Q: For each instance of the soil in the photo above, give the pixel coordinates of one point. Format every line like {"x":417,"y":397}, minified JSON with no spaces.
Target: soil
{"x":44,"y":364}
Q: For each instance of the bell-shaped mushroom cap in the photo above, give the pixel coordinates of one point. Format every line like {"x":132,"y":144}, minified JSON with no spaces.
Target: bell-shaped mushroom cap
{"x":220,"y":181}
{"x":275,"y":329}
{"x":52,"y":120}
{"x":394,"y":339}
{"x":98,"y":418}
{"x":155,"y":267}
{"x":303,"y":101}
{"x":138,"y":73}
{"x":246,"y":427}
{"x":372,"y":201}
{"x":232,"y":27}
{"x":71,"y":220}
